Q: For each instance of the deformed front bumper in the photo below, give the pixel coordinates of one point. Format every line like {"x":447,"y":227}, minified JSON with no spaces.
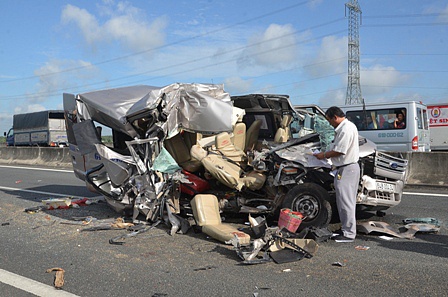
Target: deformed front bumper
{"x":377,"y":192}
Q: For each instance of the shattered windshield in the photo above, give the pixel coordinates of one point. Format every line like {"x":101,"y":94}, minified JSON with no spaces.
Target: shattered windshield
{"x":312,"y":120}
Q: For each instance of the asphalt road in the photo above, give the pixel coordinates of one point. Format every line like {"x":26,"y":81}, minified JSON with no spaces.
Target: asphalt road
{"x":156,"y":264}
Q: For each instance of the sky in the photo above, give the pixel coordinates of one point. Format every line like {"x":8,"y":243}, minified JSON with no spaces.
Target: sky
{"x":298,"y":48}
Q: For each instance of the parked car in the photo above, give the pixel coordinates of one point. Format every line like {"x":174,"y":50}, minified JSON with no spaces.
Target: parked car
{"x":253,"y":152}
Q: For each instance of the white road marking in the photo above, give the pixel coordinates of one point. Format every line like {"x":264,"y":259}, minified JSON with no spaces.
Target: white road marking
{"x":31,"y":286}
{"x":425,"y":194}
{"x":40,"y":192}
{"x":36,"y":168}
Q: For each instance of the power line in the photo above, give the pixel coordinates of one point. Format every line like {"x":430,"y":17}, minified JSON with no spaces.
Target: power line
{"x":394,"y":16}
{"x":405,"y":54}
{"x":54,"y":92}
{"x":166,"y":45}
{"x":406,"y":25}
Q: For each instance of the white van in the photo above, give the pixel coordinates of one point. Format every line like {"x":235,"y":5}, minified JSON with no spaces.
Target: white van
{"x":377,"y":122}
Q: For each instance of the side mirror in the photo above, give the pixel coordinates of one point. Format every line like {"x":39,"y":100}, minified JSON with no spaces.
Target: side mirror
{"x":4,"y":133}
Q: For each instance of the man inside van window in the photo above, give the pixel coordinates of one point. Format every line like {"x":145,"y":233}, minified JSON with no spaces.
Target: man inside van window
{"x":399,"y":121}
{"x":370,"y":124}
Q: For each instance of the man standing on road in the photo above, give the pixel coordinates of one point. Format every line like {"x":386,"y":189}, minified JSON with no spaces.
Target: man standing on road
{"x":344,"y":154}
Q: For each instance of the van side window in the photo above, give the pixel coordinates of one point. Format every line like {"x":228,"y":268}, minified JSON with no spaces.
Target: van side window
{"x":378,"y":119}
{"x":425,"y":119}
{"x":422,"y":118}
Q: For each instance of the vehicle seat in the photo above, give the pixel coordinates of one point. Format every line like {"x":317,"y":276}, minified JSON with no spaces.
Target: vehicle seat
{"x":239,"y":135}
{"x":252,"y":135}
{"x":206,"y":213}
{"x":179,"y":150}
{"x":227,"y":172}
{"x":225,"y":146}
{"x":282,"y":134}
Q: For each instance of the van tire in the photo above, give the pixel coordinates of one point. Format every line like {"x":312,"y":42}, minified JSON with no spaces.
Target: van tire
{"x":312,"y":201}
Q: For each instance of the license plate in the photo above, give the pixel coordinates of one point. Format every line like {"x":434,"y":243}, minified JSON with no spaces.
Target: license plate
{"x":385,"y":187}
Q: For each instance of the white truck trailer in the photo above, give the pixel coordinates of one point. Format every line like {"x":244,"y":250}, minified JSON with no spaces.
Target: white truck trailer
{"x":438,"y":126}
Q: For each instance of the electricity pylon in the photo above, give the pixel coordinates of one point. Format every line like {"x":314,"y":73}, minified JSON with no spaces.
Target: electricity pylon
{"x":354,"y":95}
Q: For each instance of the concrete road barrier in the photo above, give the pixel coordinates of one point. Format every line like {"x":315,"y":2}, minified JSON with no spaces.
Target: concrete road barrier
{"x":427,"y":168}
{"x":50,"y":156}
{"x":424,"y":168}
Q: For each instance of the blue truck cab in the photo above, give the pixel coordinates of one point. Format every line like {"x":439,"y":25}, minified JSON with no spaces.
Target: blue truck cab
{"x":9,"y":137}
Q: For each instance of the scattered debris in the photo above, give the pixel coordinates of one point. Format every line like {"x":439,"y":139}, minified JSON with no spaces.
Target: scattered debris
{"x":287,"y":270}
{"x":205,"y":268}
{"x":18,"y":181}
{"x":339,"y":264}
{"x":80,"y":221}
{"x":5,"y":224}
{"x":58,"y":278}
{"x":53,"y":203}
{"x":118,"y":240}
{"x":121,"y":224}
{"x":275,"y":243}
{"x":410,"y":229}
{"x":424,"y":228}
{"x":61,"y":203}
{"x":361,"y":248}
{"x":382,"y":227}
{"x":35,"y":209}
{"x":432,"y":221}
{"x":385,"y":237}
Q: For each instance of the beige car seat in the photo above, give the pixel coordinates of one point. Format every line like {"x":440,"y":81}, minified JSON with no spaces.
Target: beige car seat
{"x":180,"y":151}
{"x":282,"y":134}
{"x":227,"y":172}
{"x":225,"y":146}
{"x":206,"y":213}
{"x":239,"y":135}
{"x":252,"y":135}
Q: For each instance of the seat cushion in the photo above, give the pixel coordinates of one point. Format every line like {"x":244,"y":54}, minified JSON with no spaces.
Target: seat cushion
{"x":205,"y":209}
{"x":224,"y":171}
{"x":239,"y":135}
{"x":206,"y":213}
{"x":225,"y":146}
{"x":226,"y":232}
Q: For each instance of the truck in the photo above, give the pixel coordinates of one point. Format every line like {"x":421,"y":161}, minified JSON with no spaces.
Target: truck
{"x":42,"y":128}
{"x":438,"y":126}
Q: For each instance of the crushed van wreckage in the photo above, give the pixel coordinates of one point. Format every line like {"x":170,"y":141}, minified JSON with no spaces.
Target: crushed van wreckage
{"x":192,"y":150}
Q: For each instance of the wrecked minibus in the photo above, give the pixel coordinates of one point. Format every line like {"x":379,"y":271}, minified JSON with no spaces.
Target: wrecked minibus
{"x":184,"y":149}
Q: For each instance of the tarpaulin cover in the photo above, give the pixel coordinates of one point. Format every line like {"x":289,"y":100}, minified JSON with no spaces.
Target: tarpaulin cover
{"x":35,"y":119}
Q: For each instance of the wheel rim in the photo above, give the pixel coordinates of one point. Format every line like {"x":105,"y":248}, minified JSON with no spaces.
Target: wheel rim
{"x":307,"y":205}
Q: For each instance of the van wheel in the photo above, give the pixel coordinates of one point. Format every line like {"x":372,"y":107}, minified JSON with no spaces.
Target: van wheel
{"x":312,"y":201}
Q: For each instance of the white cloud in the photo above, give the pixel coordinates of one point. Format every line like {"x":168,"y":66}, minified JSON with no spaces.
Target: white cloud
{"x":331,"y":57}
{"x":237,"y":85}
{"x":28,"y":108}
{"x":314,"y":3}
{"x":125,"y":24}
{"x":275,"y":48}
{"x":379,"y":79}
{"x":332,"y":98}
{"x":86,"y":22}
{"x":53,"y":78}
